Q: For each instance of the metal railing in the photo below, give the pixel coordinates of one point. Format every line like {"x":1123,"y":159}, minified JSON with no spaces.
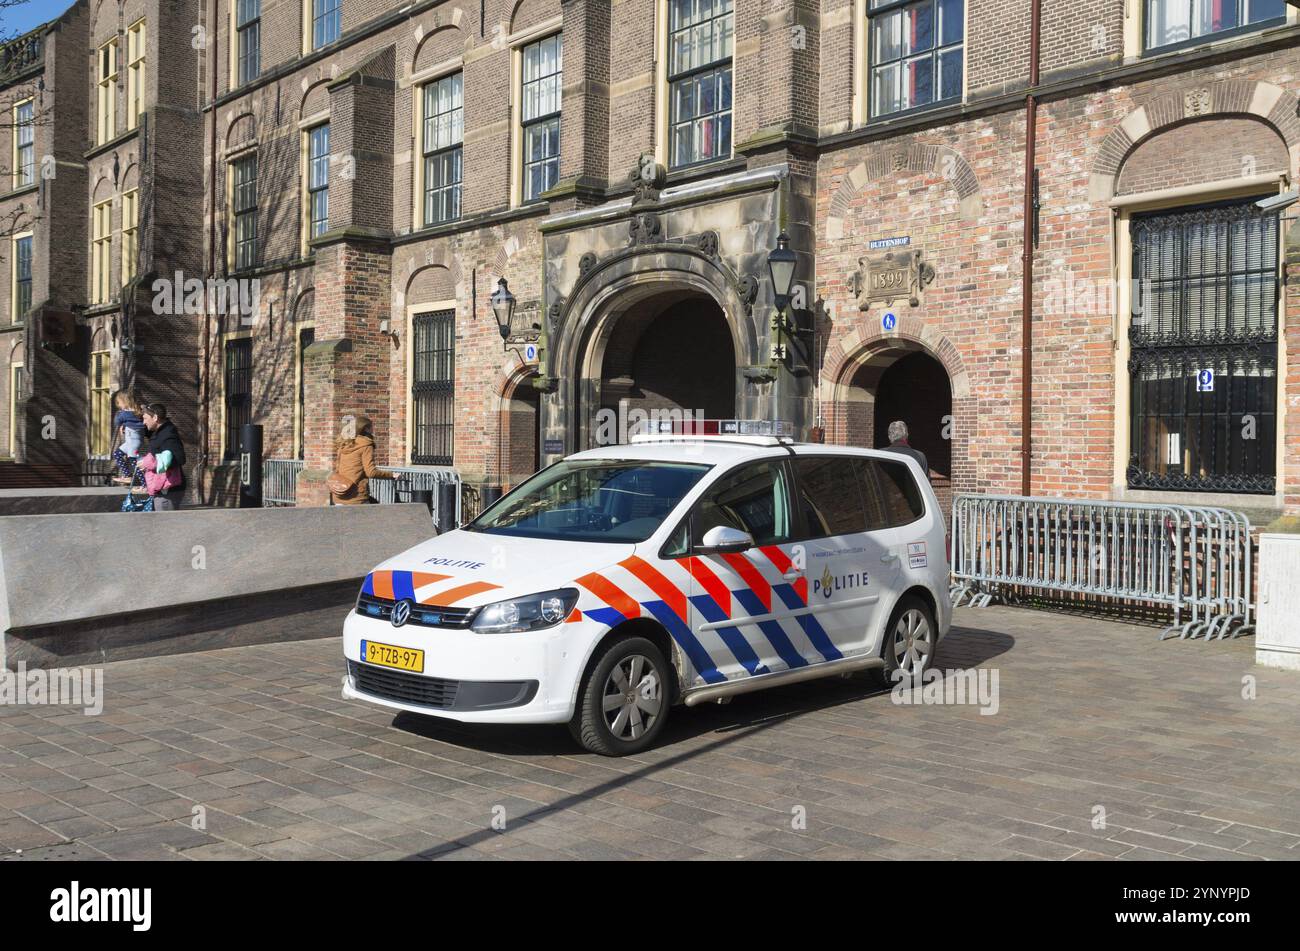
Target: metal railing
{"x":280,"y":481}
{"x":280,"y":487}
{"x":437,"y":479}
{"x":1192,"y":563}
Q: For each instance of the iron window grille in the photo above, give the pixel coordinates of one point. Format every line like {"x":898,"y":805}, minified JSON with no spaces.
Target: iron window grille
{"x":238,"y":391}
{"x":326,"y":22}
{"x":245,"y":211}
{"x":442,"y":137}
{"x":543,"y":67}
{"x":1203,"y":339}
{"x":318,"y":180}
{"x":433,"y":379}
{"x":915,"y":54}
{"x":248,"y":29}
{"x":700,"y":43}
{"x":1172,"y":24}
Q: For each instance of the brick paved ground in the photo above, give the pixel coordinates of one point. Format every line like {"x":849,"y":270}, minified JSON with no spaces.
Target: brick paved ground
{"x":1091,"y":714}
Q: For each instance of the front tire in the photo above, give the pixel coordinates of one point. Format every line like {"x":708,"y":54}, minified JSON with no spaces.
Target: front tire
{"x":624,"y":699}
{"x":910,"y":640}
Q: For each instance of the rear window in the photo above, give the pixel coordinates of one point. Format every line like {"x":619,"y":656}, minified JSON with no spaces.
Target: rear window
{"x":890,"y":493}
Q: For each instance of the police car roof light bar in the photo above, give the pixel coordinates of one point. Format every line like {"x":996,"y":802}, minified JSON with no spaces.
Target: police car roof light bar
{"x":654,"y":430}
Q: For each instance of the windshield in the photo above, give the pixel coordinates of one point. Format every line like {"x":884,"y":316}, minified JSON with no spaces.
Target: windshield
{"x":594,"y":500}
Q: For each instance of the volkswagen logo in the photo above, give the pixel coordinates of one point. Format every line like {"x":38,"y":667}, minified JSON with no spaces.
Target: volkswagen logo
{"x":401,"y":613}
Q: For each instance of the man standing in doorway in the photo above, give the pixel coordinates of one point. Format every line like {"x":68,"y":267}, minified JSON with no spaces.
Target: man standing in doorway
{"x":898,"y":443}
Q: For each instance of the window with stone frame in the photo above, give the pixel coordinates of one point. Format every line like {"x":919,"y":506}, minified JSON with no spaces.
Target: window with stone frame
{"x":433,"y":379}
{"x":248,"y":40}
{"x":25,"y":143}
{"x":700,"y":43}
{"x":101,"y":252}
{"x":22,"y":282}
{"x":442,"y":144}
{"x":130,"y":234}
{"x":1203,"y":346}
{"x":1171,"y":24}
{"x":318,"y":180}
{"x":135,"y":78}
{"x":326,"y":22}
{"x":914,"y":54}
{"x":243,"y":209}
{"x":543,"y":69}
{"x":100,"y":436}
{"x":106,"y":92}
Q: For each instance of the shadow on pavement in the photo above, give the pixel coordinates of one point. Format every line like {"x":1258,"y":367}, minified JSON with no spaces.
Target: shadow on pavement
{"x":745,"y":715}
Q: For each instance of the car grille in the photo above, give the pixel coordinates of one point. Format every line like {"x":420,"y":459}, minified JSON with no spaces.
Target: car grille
{"x":403,"y":687}
{"x":422,"y":615}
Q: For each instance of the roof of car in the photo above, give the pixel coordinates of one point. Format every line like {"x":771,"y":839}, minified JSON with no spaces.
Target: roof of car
{"x":719,"y":450}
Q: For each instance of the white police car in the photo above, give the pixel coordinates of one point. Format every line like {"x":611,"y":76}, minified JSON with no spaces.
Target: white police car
{"x":625,"y":580}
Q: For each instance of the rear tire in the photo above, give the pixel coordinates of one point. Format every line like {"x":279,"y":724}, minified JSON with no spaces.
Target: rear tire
{"x":910,"y":639}
{"x":624,"y":698}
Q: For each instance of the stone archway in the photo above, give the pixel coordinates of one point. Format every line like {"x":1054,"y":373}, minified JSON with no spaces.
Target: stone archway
{"x":641,"y":285}
{"x":665,"y":352}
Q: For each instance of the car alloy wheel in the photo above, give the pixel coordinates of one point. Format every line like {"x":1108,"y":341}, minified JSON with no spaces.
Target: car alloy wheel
{"x":913,"y":642}
{"x":633,"y":697}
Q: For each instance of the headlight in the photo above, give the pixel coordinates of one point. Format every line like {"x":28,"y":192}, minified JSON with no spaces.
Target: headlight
{"x":529,"y":613}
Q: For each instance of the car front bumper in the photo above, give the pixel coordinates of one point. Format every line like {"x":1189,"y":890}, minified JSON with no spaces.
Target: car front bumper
{"x":529,"y":677}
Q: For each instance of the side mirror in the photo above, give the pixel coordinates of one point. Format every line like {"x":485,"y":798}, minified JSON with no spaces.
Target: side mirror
{"x":723,"y":539}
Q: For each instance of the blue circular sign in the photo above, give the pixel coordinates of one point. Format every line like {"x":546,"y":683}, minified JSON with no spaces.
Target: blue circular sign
{"x":889,"y":321}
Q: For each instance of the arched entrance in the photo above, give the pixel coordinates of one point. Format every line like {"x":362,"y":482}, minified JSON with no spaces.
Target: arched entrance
{"x":668,"y":351}
{"x":921,"y":383}
{"x":915,"y":389}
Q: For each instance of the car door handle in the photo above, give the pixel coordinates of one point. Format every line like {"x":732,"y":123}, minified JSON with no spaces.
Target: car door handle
{"x":792,"y":575}
{"x":888,"y":557}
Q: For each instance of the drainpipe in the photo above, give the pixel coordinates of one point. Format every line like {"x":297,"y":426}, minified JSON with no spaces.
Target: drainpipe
{"x":1027,"y":270}
{"x":205,"y":371}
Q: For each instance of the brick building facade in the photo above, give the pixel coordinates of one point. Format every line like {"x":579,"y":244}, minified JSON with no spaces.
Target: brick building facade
{"x":106,"y":194}
{"x":376,"y":169}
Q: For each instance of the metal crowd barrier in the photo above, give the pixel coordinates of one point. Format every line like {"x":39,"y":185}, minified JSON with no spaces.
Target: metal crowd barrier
{"x":436,"y":479}
{"x":1193,"y":562}
{"x":280,"y":486}
{"x":280,"y":481}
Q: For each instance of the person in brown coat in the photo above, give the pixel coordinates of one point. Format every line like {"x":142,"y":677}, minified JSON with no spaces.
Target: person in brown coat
{"x":356,"y":461}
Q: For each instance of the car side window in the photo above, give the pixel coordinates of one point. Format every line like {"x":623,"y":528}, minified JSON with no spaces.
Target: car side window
{"x":829,"y":496}
{"x":754,"y":499}
{"x":890,"y":494}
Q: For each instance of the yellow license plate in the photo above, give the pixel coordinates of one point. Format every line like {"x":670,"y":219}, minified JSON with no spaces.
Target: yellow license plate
{"x":399,"y":658}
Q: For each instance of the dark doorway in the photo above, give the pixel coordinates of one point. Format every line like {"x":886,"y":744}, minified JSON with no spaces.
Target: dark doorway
{"x":522,"y":433}
{"x":915,"y":389}
{"x":671,"y":356}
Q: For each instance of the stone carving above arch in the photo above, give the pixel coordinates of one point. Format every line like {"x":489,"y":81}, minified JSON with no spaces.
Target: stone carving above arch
{"x":914,"y":159}
{"x":1233,"y":97}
